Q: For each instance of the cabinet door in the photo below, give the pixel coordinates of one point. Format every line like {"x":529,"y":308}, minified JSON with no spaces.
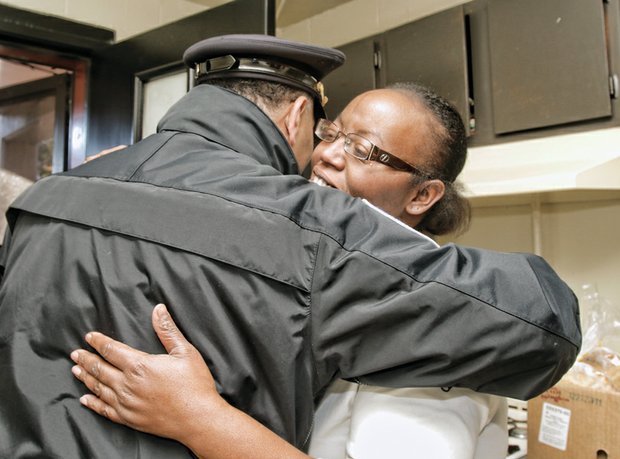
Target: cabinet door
{"x":433,"y":52}
{"x":354,"y":77}
{"x":548,"y":63}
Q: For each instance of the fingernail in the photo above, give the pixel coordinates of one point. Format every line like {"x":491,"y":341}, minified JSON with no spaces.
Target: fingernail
{"x":75,"y":356}
{"x":84,"y":400}
{"x":76,"y":370}
{"x":88,"y":337}
{"x":162,"y":312}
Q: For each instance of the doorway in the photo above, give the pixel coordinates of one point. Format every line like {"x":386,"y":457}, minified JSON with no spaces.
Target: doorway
{"x":42,"y":110}
{"x":42,"y":117}
{"x":33,"y":122}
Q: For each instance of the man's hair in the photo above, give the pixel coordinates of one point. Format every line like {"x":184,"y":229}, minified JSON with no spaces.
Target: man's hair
{"x":452,"y":213}
{"x":269,"y":96}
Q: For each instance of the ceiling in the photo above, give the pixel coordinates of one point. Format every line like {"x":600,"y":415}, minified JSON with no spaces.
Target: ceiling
{"x":289,"y":11}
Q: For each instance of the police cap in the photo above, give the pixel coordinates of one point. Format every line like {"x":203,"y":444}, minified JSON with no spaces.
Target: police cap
{"x":264,"y":57}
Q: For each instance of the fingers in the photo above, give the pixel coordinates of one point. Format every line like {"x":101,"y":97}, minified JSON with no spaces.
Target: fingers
{"x":94,"y":372}
{"x":118,"y":354}
{"x":104,"y":152}
{"x":168,"y":332}
{"x":93,"y":384}
{"x":101,"y":407}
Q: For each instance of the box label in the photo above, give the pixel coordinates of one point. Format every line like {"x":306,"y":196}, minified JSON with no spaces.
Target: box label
{"x":554,"y":425}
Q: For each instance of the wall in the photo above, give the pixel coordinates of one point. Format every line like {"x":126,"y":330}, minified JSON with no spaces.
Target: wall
{"x":579,"y":239}
{"x":126,"y":17}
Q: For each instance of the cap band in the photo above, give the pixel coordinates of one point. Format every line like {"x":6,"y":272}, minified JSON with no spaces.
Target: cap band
{"x":226,"y":63}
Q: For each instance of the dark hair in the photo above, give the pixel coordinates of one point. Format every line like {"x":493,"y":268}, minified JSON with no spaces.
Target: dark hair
{"x":452,"y":213}
{"x":268,"y":95}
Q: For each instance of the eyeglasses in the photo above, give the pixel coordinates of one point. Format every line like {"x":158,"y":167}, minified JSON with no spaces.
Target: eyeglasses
{"x":362,"y":148}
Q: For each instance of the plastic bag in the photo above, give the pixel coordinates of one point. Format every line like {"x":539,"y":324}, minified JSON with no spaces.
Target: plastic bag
{"x":600,"y":321}
{"x":598,"y":363}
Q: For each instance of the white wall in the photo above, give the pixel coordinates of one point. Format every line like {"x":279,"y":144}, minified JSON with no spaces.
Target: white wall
{"x":125,"y":17}
{"x":581,"y":240}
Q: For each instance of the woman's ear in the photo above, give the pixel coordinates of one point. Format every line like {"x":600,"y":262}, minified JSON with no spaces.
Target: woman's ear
{"x":292,"y":120}
{"x":425,"y":197}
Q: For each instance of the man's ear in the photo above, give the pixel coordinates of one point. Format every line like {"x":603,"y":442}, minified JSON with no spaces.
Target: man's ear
{"x":292,"y":119}
{"x":425,"y":196}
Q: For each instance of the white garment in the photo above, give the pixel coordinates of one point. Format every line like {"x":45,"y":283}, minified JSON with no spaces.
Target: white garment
{"x":367,"y":422}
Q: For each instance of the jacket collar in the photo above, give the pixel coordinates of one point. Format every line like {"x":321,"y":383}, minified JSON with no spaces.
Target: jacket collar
{"x":232,"y":121}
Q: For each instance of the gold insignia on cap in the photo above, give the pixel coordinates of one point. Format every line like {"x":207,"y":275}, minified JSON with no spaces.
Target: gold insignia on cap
{"x":320,"y":89}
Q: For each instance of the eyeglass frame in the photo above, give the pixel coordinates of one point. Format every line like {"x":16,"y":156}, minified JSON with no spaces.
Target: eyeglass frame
{"x":376,"y":154}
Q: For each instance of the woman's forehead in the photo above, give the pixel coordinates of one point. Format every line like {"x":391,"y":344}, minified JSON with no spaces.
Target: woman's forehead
{"x":379,"y":105}
{"x":394,"y":120}
{"x":383,"y":112}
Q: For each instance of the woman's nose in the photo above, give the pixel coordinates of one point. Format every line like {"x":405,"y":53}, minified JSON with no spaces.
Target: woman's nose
{"x":330,"y":153}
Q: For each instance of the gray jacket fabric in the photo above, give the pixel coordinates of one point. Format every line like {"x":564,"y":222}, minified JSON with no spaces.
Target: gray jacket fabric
{"x":282,"y":285}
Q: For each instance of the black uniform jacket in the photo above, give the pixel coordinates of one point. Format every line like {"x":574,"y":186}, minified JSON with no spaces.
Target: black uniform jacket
{"x":281,"y":284}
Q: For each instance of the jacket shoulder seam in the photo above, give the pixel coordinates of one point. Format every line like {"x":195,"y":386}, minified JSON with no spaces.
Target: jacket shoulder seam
{"x":155,"y":150}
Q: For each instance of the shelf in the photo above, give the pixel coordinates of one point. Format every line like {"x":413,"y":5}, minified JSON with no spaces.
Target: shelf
{"x":571,"y":167}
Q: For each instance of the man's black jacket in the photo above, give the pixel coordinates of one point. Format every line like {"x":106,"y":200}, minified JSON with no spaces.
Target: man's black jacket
{"x":282,"y":285}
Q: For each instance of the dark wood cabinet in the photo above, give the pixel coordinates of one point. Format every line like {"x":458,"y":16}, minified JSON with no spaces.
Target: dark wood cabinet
{"x":514,"y":69}
{"x":359,"y":74}
{"x":548,"y":62}
{"x":407,"y":53}
{"x":433,"y":52}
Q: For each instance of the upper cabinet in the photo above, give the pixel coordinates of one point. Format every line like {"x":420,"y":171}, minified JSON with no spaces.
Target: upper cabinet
{"x":431,"y":52}
{"x":359,"y":74}
{"x":514,"y":69}
{"x":548,"y":63}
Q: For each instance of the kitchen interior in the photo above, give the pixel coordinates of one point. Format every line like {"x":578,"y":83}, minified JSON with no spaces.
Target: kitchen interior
{"x":536,"y":82}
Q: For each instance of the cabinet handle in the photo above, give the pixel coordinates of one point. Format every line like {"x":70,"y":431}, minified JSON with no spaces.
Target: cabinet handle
{"x":377,"y":59}
{"x":613,"y":86}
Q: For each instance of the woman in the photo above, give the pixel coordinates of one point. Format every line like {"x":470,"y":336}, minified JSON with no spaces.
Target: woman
{"x":414,"y":183}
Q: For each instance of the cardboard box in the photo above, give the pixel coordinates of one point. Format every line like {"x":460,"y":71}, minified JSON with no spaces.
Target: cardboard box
{"x":574,"y":422}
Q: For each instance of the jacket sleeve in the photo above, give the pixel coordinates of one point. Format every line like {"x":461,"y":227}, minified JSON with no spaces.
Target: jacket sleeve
{"x":498,"y":323}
